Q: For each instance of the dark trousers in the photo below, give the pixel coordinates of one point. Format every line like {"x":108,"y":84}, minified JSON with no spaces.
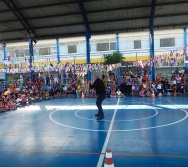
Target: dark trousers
{"x":99,"y":101}
{"x":128,"y":90}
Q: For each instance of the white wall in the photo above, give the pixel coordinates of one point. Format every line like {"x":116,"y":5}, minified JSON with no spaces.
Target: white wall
{"x":126,"y":43}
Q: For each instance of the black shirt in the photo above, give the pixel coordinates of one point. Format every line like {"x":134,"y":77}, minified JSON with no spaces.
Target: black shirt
{"x":99,"y":86}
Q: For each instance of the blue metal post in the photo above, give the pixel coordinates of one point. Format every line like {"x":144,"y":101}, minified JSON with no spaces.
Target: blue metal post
{"x":152,"y":68}
{"x":88,"y":52}
{"x":117,"y":42}
{"x":137,"y":61}
{"x":185,"y":48}
{"x":88,"y":33}
{"x":5,"y":58}
{"x":58,"y":52}
{"x":117,"y":50}
{"x":151,"y":39}
{"x":31,"y":57}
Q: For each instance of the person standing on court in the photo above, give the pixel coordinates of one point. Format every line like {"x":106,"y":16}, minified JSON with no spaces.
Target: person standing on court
{"x":98,"y":85}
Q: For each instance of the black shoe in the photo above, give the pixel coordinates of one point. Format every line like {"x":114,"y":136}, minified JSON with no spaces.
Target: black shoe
{"x":96,"y":115}
{"x":100,"y":118}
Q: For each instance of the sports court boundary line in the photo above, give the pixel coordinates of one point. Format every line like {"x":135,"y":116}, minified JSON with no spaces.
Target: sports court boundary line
{"x":176,"y":105}
{"x":101,"y":158}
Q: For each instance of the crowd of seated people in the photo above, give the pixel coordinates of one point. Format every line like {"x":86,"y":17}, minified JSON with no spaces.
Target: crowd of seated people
{"x":141,"y":86}
{"x":38,"y":89}
{"x":138,"y":85}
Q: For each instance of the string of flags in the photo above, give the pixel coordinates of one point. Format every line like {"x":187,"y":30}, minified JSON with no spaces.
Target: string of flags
{"x":173,"y":58}
{"x":12,"y":65}
{"x":50,"y":67}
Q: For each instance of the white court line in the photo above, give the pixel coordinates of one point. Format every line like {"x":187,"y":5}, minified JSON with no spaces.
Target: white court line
{"x":101,"y":158}
{"x":105,"y":107}
{"x":113,"y":107}
{"x":137,"y":119}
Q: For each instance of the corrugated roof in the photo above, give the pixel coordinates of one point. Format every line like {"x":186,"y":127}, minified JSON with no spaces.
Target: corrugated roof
{"x":63,"y":18}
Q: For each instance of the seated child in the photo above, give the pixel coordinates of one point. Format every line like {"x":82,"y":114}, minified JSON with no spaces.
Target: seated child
{"x":142,"y":93}
{"x":19,"y":100}
{"x":173,"y":88}
{"x":118,"y":93}
{"x":183,"y":88}
{"x":64,"y":89}
{"x":137,"y":87}
{"x":10,"y":105}
{"x":2,"y":106}
{"x":46,"y":95}
{"x":113,"y":94}
{"x":148,"y":93}
{"x":25,"y":100}
{"x":78,"y":89}
{"x":28,"y":99}
{"x":86,"y":88}
{"x":159,"y":89}
{"x":108,"y":91}
{"x":38,"y":97}
{"x":32,"y":98}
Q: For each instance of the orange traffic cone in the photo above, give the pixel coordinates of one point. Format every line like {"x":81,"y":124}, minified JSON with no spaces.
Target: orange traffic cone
{"x":109,"y":161}
{"x":83,"y":96}
{"x":153,"y":94}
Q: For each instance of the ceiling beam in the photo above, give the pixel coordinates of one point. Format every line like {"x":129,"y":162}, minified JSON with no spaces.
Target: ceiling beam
{"x":84,"y":16}
{"x":45,"y":27}
{"x":48,"y":5}
{"x":75,"y":14}
{"x":44,"y":17}
{"x":77,"y":34}
{"x":101,"y":32}
{"x":89,"y":12}
{"x":152,"y":14}
{"x":43,"y":6}
{"x":95,"y":22}
{"x":96,"y":11}
{"x":13,"y":8}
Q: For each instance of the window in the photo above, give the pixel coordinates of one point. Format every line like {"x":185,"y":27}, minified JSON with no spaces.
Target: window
{"x":167,"y":42}
{"x":103,"y":47}
{"x":1,"y":54}
{"x":137,"y":44}
{"x":10,"y":53}
{"x":35,"y":52}
{"x":72,"y":49}
{"x":53,"y":50}
{"x":26,"y":52}
{"x":44,"y":51}
{"x":112,"y":46}
{"x":19,"y":53}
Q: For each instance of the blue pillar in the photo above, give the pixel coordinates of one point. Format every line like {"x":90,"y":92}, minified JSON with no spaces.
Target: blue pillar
{"x":31,"y":57}
{"x":152,"y":68}
{"x":185,"y":48}
{"x":58,"y":52}
{"x":5,"y":58}
{"x":88,"y":52}
{"x":117,"y":42}
{"x":151,"y":40}
{"x":117,"y":50}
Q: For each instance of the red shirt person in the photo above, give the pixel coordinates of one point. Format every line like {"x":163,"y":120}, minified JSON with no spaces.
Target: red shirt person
{"x":145,"y":78}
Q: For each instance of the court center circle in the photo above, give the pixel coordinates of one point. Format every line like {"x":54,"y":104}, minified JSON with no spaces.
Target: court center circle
{"x":125,"y":130}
